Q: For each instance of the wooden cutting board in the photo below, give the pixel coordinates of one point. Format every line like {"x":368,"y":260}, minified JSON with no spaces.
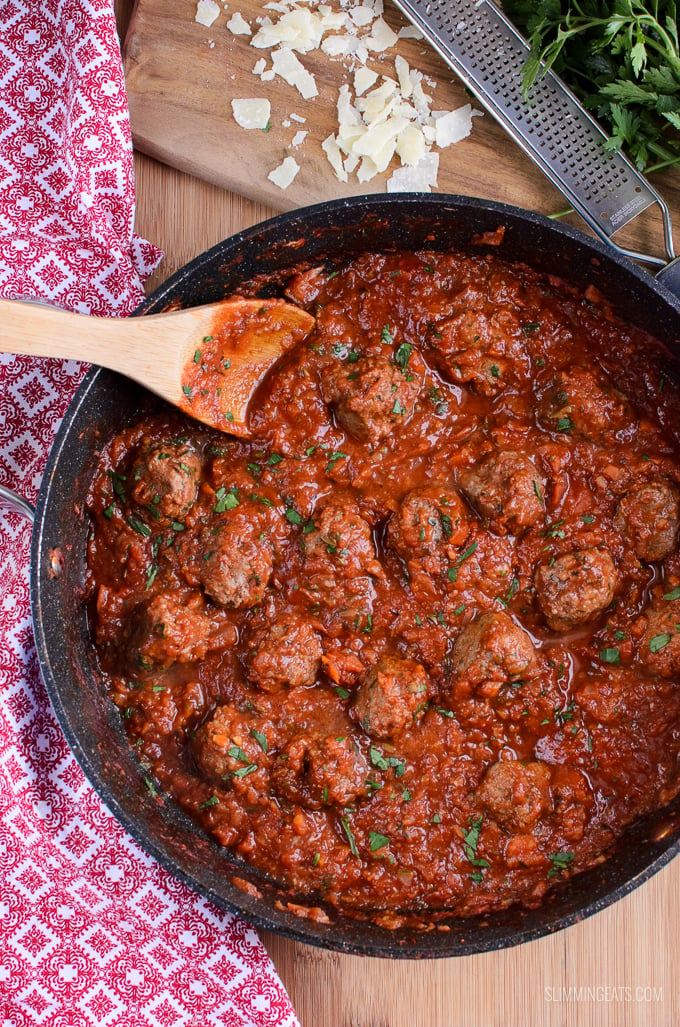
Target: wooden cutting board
{"x":181,"y":78}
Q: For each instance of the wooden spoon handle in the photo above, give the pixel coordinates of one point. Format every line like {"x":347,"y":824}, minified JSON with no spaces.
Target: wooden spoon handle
{"x":39,"y":330}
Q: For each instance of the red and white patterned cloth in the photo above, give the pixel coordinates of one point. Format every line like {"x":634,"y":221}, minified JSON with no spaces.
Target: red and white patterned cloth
{"x":93,"y":933}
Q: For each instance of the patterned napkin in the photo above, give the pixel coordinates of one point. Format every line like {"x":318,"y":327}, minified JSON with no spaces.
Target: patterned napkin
{"x":93,"y":933}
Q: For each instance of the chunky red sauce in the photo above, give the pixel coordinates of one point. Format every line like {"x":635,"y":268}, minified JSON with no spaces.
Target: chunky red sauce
{"x":416,"y":645}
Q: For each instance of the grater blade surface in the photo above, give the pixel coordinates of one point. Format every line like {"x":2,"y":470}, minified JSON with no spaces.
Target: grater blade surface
{"x":550,"y":125}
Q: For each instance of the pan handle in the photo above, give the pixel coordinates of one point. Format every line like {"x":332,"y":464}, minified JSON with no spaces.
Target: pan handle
{"x":13,"y":501}
{"x":670,"y":276}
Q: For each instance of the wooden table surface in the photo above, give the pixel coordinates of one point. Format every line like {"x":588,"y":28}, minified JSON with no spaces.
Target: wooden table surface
{"x":619,"y":968}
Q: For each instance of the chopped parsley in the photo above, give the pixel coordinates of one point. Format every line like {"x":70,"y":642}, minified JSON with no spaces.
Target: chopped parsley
{"x":226,"y":499}
{"x":560,"y":861}
{"x":659,"y":642}
{"x":344,"y":821}
{"x":377,"y":840}
{"x":212,"y":801}
{"x":403,"y":354}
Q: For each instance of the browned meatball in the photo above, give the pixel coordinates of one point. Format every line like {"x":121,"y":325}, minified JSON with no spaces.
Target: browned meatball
{"x":648,"y":517}
{"x":428,"y":519}
{"x":580,"y":403}
{"x":169,"y":628}
{"x":166,"y":477}
{"x":318,"y":772}
{"x":234,"y":746}
{"x":507,"y":489}
{"x":481,"y":348}
{"x":286,"y":652}
{"x":660,"y":644}
{"x":492,"y":648}
{"x":391,"y":697}
{"x":516,"y":794}
{"x":371,"y":397}
{"x":342,"y":540}
{"x":576,"y":587}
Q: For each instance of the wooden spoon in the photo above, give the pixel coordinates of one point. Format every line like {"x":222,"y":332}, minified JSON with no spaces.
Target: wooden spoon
{"x":206,"y":360}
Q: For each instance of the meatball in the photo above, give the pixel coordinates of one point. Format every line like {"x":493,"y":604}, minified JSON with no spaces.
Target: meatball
{"x":481,"y":349}
{"x":285,"y":653}
{"x":428,"y":519}
{"x":370,"y":397}
{"x":166,"y":478}
{"x":660,"y":644}
{"x":169,"y":628}
{"x":576,"y":588}
{"x":492,"y":648}
{"x":516,"y":794}
{"x":317,"y":772}
{"x":506,"y":488}
{"x":235,"y":746}
{"x":342,"y":540}
{"x":580,"y":403}
{"x":232,"y":555}
{"x":391,"y":697}
{"x":648,"y":517}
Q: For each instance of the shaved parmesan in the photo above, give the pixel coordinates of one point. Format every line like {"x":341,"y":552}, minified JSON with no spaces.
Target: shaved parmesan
{"x":364,"y":78}
{"x":207,"y":11}
{"x":452,"y":126}
{"x":252,"y":113}
{"x":420,"y":179}
{"x":381,"y":37}
{"x":284,"y":174}
{"x":383,"y":118}
{"x":238,"y":25}
{"x":332,"y":150}
{"x":288,"y":67}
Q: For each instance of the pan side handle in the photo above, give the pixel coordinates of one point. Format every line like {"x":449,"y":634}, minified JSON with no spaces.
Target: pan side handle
{"x":13,"y":501}
{"x":670,"y":276}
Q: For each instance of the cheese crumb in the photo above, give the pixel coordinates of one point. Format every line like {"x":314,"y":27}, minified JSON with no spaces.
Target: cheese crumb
{"x":284,"y":174}
{"x":207,"y":11}
{"x":251,"y":113}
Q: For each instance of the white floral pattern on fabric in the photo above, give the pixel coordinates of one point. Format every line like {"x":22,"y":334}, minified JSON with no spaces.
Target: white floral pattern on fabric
{"x":93,"y":932}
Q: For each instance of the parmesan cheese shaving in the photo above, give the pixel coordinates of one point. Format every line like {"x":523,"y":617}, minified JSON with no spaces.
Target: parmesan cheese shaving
{"x":251,"y":113}
{"x":238,"y":25}
{"x":207,"y":12}
{"x":289,"y":68}
{"x":385,"y":117}
{"x":283,"y":175}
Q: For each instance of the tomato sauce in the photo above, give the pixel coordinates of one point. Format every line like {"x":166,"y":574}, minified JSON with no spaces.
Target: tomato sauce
{"x":414,"y":645}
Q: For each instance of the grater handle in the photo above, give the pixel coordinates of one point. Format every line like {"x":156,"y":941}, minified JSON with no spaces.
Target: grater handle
{"x":486,"y":51}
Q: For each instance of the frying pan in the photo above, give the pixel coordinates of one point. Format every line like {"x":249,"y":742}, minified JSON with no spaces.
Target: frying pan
{"x":267,"y":253}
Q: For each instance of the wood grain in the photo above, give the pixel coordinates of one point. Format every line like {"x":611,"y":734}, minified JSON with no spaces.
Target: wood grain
{"x":617,"y":969}
{"x":181,"y":78}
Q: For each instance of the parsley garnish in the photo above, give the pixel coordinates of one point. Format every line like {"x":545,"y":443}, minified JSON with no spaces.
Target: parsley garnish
{"x":621,"y":58}
{"x":377,"y":840}
{"x":659,"y":642}
{"x":560,"y":861}
{"x":350,"y":837}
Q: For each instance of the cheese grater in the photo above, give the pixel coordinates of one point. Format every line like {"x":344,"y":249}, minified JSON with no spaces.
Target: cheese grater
{"x":486,"y":51}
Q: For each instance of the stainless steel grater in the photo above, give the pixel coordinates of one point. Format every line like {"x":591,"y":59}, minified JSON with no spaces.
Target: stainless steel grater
{"x":550,"y":125}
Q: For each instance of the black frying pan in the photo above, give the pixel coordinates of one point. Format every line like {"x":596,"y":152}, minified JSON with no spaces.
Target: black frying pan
{"x":104,"y":402}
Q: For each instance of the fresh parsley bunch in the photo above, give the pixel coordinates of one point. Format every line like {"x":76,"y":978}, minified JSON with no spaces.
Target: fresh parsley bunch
{"x":621,"y":58}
